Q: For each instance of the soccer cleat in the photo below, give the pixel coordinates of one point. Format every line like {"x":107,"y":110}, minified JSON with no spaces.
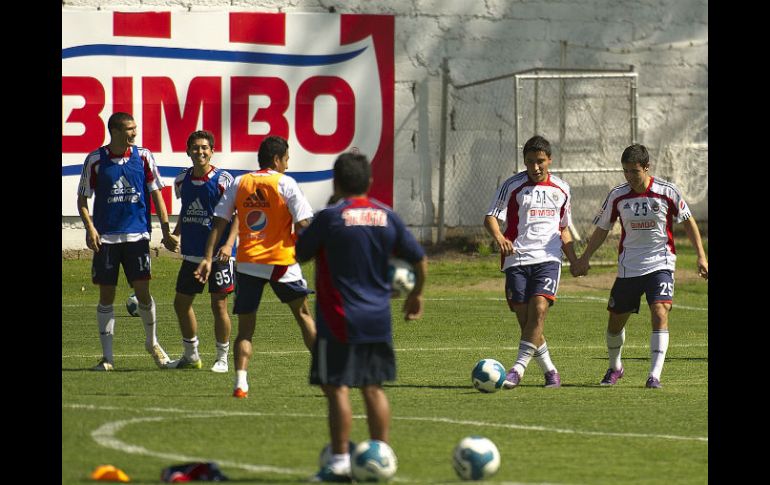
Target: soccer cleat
{"x":159,"y":356}
{"x":511,"y":379}
{"x":611,"y":377}
{"x":220,"y":365}
{"x":185,"y":363}
{"x":652,"y":383}
{"x":552,"y":379}
{"x":240,"y":393}
{"x":329,"y":474}
{"x":103,"y":366}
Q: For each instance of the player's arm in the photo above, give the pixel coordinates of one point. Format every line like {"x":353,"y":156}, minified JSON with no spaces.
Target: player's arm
{"x":93,"y":240}
{"x":693,"y":234}
{"x":582,"y":265}
{"x":413,"y":305}
{"x":567,"y":245}
{"x":492,"y":226}
{"x":169,"y":240}
{"x":226,"y":250}
{"x":204,"y":267}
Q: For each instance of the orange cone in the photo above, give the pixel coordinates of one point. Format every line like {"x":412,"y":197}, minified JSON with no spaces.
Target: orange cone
{"x":109,"y":473}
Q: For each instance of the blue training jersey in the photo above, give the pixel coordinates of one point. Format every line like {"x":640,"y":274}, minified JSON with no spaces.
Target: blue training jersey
{"x":122,"y":202}
{"x":199,"y":197}
{"x":352,"y":242}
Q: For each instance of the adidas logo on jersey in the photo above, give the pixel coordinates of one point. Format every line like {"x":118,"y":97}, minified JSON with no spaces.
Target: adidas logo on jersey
{"x":196,"y":209}
{"x":122,"y":191}
{"x":257,"y":199}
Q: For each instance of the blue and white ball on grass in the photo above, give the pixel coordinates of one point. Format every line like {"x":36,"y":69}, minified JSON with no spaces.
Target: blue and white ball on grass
{"x":373,"y":461}
{"x":475,"y":458}
{"x":401,"y":276}
{"x":488,"y":375}
{"x":132,"y":305}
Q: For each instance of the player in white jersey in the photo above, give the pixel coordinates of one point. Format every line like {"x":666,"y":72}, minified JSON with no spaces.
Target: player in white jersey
{"x":122,"y":178}
{"x":647,"y":207}
{"x":536,"y":206}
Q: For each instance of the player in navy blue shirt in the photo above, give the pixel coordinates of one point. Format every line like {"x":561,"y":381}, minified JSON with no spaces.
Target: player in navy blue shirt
{"x":352,"y":241}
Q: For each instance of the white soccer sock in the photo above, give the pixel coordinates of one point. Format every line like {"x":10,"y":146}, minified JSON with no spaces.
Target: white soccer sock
{"x":658,"y":348}
{"x":543,"y":358}
{"x":341,"y":461}
{"x":191,"y":348}
{"x":105,"y":318}
{"x":526,"y":351}
{"x":240,"y":380}
{"x":615,"y":347}
{"x":147,"y":312}
{"x":223,"y":350}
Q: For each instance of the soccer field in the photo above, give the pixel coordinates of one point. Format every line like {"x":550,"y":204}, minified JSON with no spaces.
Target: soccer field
{"x":142,"y":419}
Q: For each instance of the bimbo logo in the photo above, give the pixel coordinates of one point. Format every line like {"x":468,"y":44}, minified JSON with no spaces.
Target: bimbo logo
{"x":322,"y":81}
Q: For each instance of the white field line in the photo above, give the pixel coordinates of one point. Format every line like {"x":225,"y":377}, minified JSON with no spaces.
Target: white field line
{"x":402,"y":349}
{"x":105,"y":436}
{"x":573,"y":298}
{"x":203,"y":414}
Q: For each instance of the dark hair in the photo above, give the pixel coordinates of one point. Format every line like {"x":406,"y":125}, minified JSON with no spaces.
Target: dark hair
{"x":352,"y":173}
{"x":269,"y":148}
{"x":636,"y":153}
{"x":117,"y":119}
{"x":537,"y":144}
{"x":200,"y":134}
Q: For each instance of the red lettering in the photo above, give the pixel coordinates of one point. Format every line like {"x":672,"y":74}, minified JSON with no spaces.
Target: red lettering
{"x":243,"y":87}
{"x":165,"y":193}
{"x":92,"y":91}
{"x":123,"y":95}
{"x":307,"y":93}
{"x":160,"y":92}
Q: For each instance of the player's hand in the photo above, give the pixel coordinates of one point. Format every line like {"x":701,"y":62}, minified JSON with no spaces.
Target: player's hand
{"x":703,"y":269}
{"x":171,"y":242}
{"x":413,"y":307}
{"x":580,"y":268}
{"x":505,"y":245}
{"x":223,"y":255}
{"x":202,"y":272}
{"x":93,"y":240}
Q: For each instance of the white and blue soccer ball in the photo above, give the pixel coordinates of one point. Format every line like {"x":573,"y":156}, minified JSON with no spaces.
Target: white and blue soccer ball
{"x":488,"y":375}
{"x":373,"y":461}
{"x":326,"y":453}
{"x":401,"y":276}
{"x":132,"y":305}
{"x":475,"y":458}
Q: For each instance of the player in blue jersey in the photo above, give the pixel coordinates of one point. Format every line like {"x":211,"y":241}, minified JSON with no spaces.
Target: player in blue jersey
{"x":122,"y":178}
{"x":200,"y":187}
{"x":351,"y":241}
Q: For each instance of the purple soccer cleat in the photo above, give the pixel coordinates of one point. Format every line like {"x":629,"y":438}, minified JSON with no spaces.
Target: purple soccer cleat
{"x":611,"y":377}
{"x":552,"y":379}
{"x":511,"y":379}
{"x":652,"y":383}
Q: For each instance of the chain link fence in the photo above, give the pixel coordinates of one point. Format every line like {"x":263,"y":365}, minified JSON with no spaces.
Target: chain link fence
{"x":588,"y":116}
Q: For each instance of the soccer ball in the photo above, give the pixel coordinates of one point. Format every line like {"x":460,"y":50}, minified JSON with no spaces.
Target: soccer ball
{"x":488,"y":375}
{"x":373,"y":461}
{"x":132,"y":305}
{"x":475,"y":458}
{"x":326,"y":453}
{"x":401,"y":276}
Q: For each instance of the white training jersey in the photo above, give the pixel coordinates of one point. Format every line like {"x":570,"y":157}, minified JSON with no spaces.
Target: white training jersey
{"x":646,"y":221}
{"x":298,"y":206}
{"x":536,"y":214}
{"x":88,"y":183}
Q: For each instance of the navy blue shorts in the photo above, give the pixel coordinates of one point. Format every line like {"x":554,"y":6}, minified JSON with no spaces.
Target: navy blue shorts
{"x":352,"y":365}
{"x":248,"y":293}
{"x":524,"y":282}
{"x":134,"y":256}
{"x":626,"y":293}
{"x":221,"y":278}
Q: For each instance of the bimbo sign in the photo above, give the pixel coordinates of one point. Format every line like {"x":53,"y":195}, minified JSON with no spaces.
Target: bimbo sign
{"x":322,"y":81}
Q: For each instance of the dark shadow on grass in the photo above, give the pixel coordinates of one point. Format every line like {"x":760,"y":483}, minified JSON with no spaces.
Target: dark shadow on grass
{"x":424,"y":386}
{"x":88,"y":369}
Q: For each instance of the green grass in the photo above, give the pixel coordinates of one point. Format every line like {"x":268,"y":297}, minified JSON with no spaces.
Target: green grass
{"x":142,"y":419}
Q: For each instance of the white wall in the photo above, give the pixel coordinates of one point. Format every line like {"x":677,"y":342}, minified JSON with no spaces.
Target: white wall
{"x":666,"y":41}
